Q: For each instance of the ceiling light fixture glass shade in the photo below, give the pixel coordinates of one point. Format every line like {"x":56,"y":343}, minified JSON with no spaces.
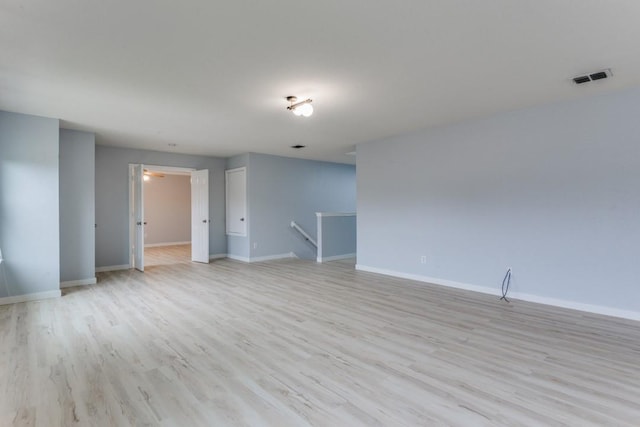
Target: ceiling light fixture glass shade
{"x":305,"y":109}
{"x":302,"y":108}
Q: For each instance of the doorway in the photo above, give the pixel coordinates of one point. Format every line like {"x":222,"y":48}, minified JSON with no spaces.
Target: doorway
{"x":168,"y":215}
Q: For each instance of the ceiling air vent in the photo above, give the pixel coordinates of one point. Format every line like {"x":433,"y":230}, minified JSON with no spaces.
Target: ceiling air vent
{"x":593,"y":76}
{"x":298,"y":146}
{"x":581,"y":79}
{"x":598,"y":76}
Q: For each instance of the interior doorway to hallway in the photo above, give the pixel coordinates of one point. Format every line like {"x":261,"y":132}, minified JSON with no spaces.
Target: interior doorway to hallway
{"x":168,"y":215}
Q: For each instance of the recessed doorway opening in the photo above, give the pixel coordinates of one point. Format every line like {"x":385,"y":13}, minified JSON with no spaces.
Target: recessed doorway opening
{"x":168,"y":215}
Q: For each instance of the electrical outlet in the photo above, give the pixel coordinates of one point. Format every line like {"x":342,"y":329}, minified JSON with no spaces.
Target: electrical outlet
{"x":423,"y":259}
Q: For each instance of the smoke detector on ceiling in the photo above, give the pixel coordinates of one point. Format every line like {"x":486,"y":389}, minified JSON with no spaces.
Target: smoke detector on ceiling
{"x":598,"y":75}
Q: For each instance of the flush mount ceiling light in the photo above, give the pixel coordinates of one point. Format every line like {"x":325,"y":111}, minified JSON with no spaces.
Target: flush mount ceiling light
{"x":302,"y":108}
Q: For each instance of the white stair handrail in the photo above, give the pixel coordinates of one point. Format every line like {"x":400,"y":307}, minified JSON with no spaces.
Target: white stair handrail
{"x":304,"y":233}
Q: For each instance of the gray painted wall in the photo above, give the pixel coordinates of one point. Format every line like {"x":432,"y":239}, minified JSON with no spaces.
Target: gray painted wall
{"x":29,"y":209}
{"x":167,"y":209}
{"x":77,"y":205}
{"x":338,"y":235}
{"x":112,"y":233}
{"x":282,"y":189}
{"x":550,"y":191}
{"x":239,"y":245}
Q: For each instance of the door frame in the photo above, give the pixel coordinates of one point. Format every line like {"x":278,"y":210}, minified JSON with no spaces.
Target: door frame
{"x":132,"y":220}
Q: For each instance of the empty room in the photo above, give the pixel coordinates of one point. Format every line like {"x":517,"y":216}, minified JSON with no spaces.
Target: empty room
{"x":218,"y":213}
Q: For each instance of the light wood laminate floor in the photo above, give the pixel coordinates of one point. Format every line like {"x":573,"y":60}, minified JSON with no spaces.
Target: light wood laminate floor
{"x":297,"y":343}
{"x":167,"y":255}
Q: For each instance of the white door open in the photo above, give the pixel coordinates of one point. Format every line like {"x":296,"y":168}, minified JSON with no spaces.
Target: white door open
{"x":137,"y":196}
{"x":200,"y":216}
{"x":236,"y":194}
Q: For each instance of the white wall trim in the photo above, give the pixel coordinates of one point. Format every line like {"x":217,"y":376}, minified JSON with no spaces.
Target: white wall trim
{"x":81,"y":282}
{"x":323,"y":214}
{"x":238,"y":258}
{"x":589,"y":308}
{"x":113,"y":268}
{"x":272,"y":257}
{"x":30,"y":297}
{"x":262,"y":258}
{"x":155,"y":245}
{"x":432,"y":280}
{"x":170,"y":170}
{"x":217,"y":256}
{"x":335,"y":257}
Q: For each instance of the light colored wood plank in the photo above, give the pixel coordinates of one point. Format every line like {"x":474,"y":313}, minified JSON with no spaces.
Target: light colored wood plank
{"x":296,"y":343}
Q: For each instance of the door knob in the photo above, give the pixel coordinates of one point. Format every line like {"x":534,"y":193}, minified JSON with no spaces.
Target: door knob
{"x":139,"y":223}
{"x":241,"y":219}
{"x":204,"y":221}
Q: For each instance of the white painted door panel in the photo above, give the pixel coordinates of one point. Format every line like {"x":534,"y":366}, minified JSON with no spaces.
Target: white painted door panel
{"x":138,"y":217}
{"x":200,"y":216}
{"x":236,"y":192}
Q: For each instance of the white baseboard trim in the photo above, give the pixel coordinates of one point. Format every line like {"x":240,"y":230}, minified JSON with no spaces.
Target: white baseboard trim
{"x":335,"y":257}
{"x":81,"y":282}
{"x":217,"y":256}
{"x":432,"y":280}
{"x":238,"y":258}
{"x":262,"y":258}
{"x":30,"y":297}
{"x":154,"y":245}
{"x":589,"y":308}
{"x":112,"y":268}
{"x":272,"y":257}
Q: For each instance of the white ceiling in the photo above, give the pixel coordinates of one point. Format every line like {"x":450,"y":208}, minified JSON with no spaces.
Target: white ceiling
{"x":211,"y":76}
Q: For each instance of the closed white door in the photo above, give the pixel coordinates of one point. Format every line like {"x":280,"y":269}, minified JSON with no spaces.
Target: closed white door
{"x":236,"y":198}
{"x":200,"y":216}
{"x":137,"y":189}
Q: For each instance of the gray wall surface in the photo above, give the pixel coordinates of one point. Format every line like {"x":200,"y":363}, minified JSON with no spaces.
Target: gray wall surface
{"x":338,"y":235}
{"x":112,"y":198}
{"x":282,"y":189}
{"x":167,"y":209}
{"x":77,"y":205}
{"x":550,"y":191}
{"x":239,"y":245}
{"x":29,"y":210}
